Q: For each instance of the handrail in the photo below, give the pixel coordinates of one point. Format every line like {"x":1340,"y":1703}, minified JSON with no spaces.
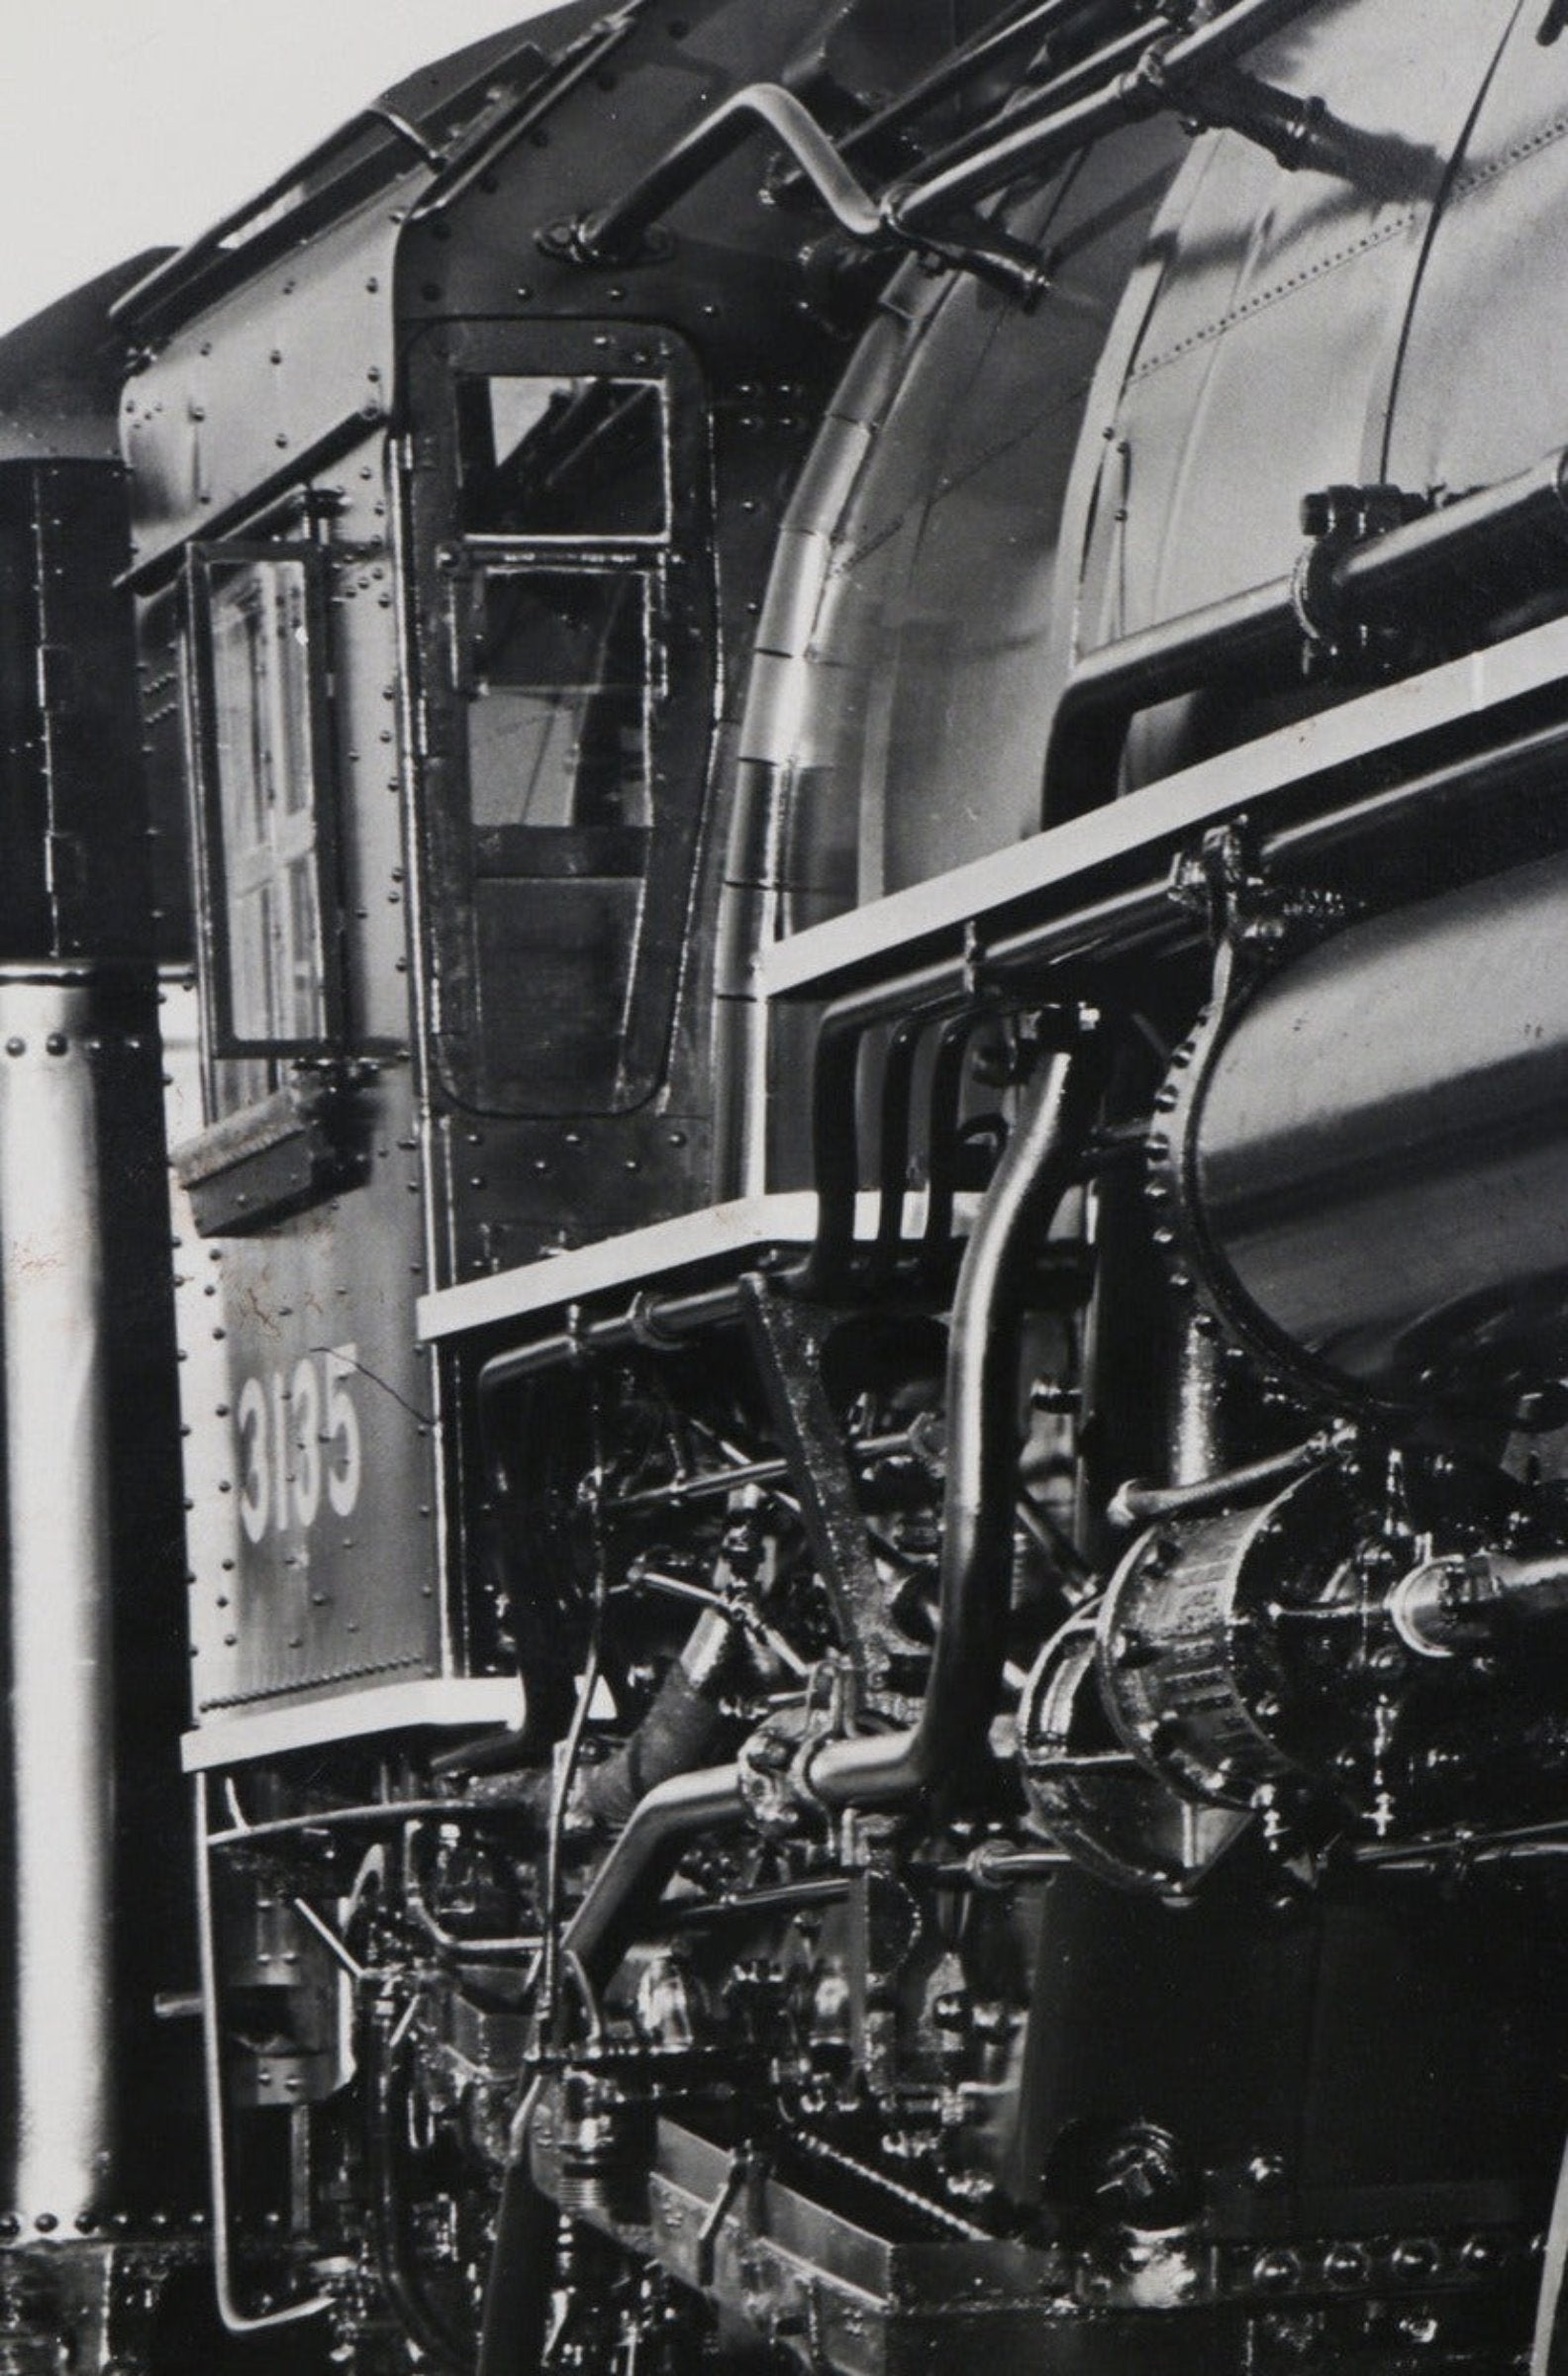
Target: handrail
{"x":1156,"y":64}
{"x":610,"y":234}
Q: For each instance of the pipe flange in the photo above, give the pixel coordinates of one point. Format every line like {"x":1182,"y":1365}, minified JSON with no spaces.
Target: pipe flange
{"x":771,"y":1771}
{"x":1335,"y":521}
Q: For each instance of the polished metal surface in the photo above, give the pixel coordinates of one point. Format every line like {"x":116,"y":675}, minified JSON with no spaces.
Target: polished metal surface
{"x":1375,"y":1153}
{"x":1278,"y":334}
{"x":57,"y":1812}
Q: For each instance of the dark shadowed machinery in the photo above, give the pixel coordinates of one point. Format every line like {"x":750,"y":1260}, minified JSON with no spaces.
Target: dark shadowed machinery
{"x":803,"y":761}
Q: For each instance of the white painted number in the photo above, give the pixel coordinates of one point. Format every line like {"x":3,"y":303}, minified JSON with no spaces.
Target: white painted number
{"x":297,"y":1433}
{"x":256,"y":1495}
{"x":306,"y":1443}
{"x":342,"y":1430}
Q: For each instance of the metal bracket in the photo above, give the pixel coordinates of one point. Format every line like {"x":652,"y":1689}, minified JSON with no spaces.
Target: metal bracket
{"x":1336,"y":520}
{"x":1220,"y":882}
{"x":1247,"y":913}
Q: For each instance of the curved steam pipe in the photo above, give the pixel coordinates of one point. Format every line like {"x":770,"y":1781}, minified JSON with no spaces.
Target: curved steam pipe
{"x":1038,"y":1166}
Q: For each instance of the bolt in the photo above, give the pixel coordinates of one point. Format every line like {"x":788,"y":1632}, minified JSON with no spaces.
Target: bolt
{"x":1481,"y":2253}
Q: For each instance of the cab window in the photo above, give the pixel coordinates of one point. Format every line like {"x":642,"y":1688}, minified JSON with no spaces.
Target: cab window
{"x":543,"y":455}
{"x":568,"y":684}
{"x":258,"y":663}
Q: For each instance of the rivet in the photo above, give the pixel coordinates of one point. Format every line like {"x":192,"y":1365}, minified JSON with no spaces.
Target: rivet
{"x":1276,"y":2270}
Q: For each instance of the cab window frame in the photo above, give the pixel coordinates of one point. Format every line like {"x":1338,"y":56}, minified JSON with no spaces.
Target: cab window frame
{"x":489,"y":1047}
{"x":229,"y":1042}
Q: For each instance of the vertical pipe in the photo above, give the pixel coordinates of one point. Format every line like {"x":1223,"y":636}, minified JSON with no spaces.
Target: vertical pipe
{"x":58,"y":1616}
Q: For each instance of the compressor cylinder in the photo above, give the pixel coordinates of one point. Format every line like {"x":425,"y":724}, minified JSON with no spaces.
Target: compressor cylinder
{"x":1368,"y":1161}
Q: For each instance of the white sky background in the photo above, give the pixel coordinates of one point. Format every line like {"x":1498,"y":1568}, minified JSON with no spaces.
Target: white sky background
{"x":131,"y":124}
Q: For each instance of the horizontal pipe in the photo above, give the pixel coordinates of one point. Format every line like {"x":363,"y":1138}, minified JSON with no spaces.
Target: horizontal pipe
{"x":783,"y":1897}
{"x":701,"y":1487}
{"x":1458,"y":535}
{"x":372,"y":1816}
{"x":649,"y":1319}
{"x":1256,"y":631}
{"x":1262,"y":627}
{"x":1453,"y":1603}
{"x":1124,"y":922}
{"x":996,"y":1865}
{"x":1178,"y":654}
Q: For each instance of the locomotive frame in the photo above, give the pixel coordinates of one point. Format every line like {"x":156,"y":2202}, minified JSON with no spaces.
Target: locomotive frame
{"x":803,"y":759}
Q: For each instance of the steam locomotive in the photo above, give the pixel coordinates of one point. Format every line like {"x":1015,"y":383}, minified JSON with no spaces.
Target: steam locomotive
{"x":802,"y":761}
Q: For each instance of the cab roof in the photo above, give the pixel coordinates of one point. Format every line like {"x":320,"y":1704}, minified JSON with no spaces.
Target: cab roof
{"x":436,"y":116}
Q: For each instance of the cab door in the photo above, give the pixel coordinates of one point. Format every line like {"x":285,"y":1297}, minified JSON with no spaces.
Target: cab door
{"x":564,"y":608}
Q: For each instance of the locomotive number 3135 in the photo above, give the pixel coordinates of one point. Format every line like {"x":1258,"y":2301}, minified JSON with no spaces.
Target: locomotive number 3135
{"x":301,"y":1447}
